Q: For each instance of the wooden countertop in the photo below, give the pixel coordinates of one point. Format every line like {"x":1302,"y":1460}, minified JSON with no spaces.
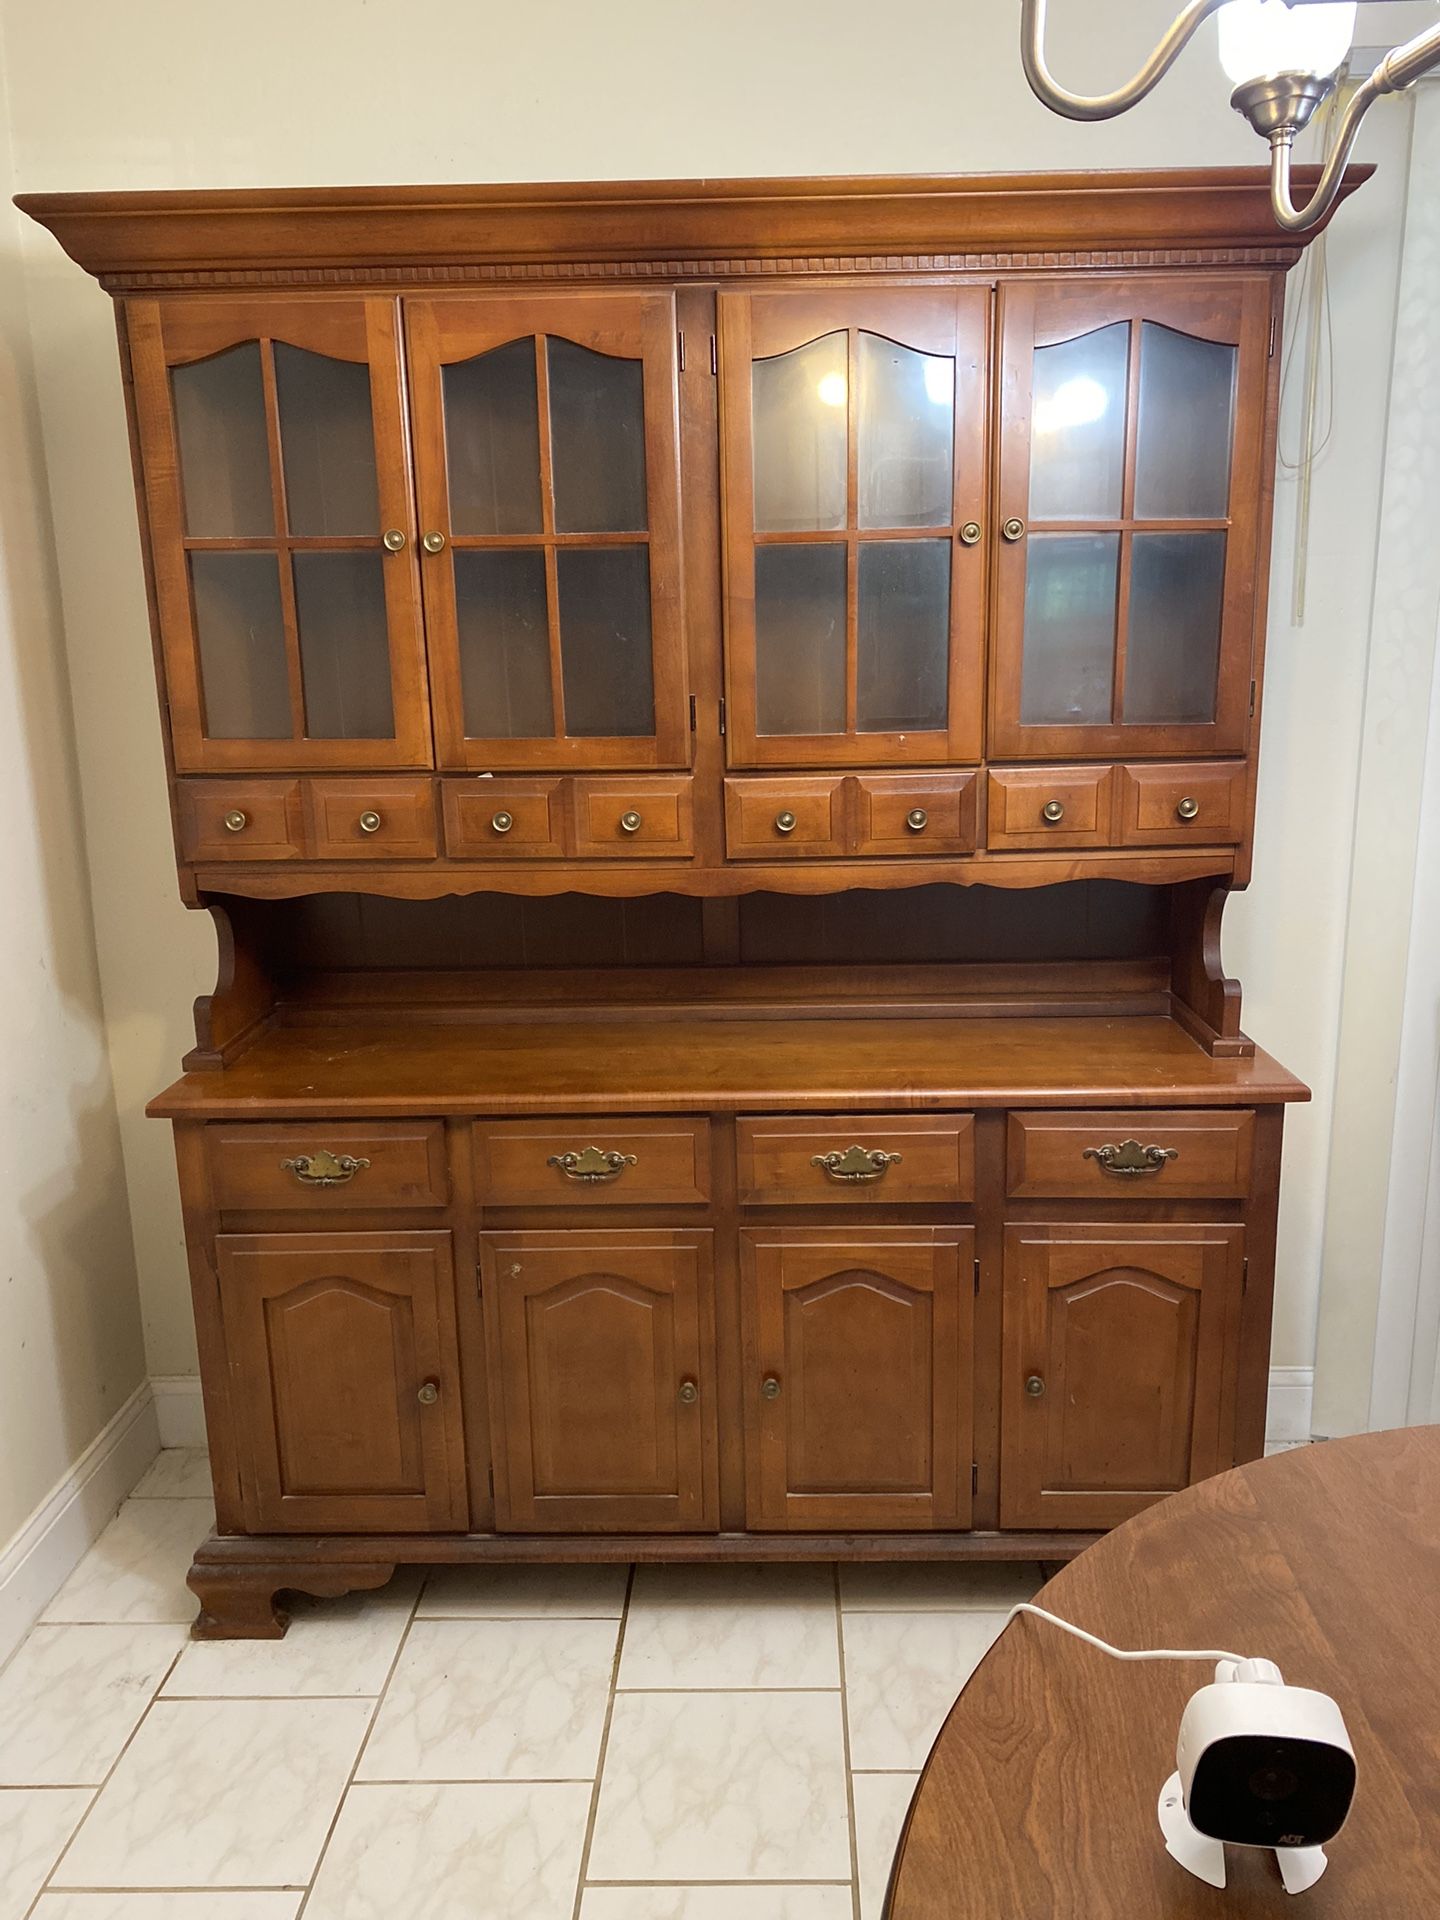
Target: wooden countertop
{"x":723,"y":1065}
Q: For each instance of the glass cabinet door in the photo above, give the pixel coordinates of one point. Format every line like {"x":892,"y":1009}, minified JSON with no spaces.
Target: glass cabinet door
{"x":547,"y":468}
{"x":278,"y":495}
{"x":1130,"y":453}
{"x":853,"y":429}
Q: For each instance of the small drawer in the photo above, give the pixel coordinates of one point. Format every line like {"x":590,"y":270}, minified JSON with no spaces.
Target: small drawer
{"x":1049,"y":807}
{"x":548,"y":1163}
{"x":1137,"y":1155}
{"x":1168,"y":805}
{"x":240,"y":819}
{"x":371,"y":818}
{"x":907,"y":813}
{"x":378,"y":1163}
{"x":784,"y":819}
{"x":618,"y":818}
{"x":891,"y":1159}
{"x":511,"y":819}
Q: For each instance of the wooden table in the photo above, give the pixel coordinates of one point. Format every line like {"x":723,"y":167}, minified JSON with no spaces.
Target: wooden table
{"x":1038,"y":1799}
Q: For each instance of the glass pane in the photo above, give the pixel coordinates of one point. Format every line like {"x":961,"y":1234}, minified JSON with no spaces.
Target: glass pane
{"x":492,"y":441}
{"x":344,"y":646}
{"x":241,"y":632}
{"x":1187,"y":406}
{"x":800,"y":639}
{"x":597,"y":440}
{"x":224,"y":454}
{"x":905,"y":422}
{"x":327,"y":439}
{"x":1070,"y":591}
{"x":798,"y":401}
{"x":1077,"y":426}
{"x":605,"y":640}
{"x":1172,"y":650}
{"x":904,"y":633}
{"x":504,"y":644}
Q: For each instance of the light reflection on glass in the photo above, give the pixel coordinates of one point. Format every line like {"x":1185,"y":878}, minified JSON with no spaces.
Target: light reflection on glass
{"x":832,"y":389}
{"x":1074,"y":403}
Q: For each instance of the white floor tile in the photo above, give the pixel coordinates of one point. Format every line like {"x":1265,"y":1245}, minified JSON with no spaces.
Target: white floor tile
{"x":716,"y":1903}
{"x":136,"y":1569}
{"x":333,"y":1648}
{"x":524,"y":1593}
{"x":179,"y":1473}
{"x":731,"y":1627}
{"x":226,"y":1793}
{"x":723,"y":1786}
{"x":495,"y":1700}
{"x":456,"y":1852}
{"x":881,"y":1803}
{"x":939,"y":1587}
{"x":902,"y":1673}
{"x":168,"y":1906}
{"x":35,"y":1823}
{"x":70,"y":1699}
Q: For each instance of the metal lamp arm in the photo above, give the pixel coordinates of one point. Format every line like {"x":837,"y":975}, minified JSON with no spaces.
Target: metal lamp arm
{"x":1104,"y":106}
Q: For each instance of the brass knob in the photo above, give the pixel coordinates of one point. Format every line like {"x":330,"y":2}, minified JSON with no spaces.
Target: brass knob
{"x":630,"y":822}
{"x":1035,"y":1386}
{"x":236,"y":821}
{"x":434,"y":543}
{"x":1188,"y":808}
{"x":369,"y":821}
{"x":689,"y":1393}
{"x":970,"y":533}
{"x":785,"y":822}
{"x":428,"y":1394}
{"x":1052,"y":812}
{"x":917,"y":819}
{"x":502,"y":822}
{"x":1014,"y":530}
{"x":393,"y":540}
{"x":770,"y":1387}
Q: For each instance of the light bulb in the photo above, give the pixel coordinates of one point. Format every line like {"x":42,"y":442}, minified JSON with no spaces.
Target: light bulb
{"x":1259,"y":38}
{"x":832,"y":389}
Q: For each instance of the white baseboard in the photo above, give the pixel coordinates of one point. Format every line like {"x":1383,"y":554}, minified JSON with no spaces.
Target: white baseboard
{"x":180,"y":1410}
{"x":1288,"y":1414}
{"x":74,"y":1514}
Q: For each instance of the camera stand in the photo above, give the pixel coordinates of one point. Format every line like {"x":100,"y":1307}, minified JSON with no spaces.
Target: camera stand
{"x":1300,"y":1867}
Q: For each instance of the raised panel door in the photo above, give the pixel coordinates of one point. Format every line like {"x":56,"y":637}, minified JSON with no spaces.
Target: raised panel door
{"x":602,"y":1376}
{"x":1118,"y":1386}
{"x":278,"y":499}
{"x":547,"y":470}
{"x":344,"y":1375}
{"x":858,"y":1389}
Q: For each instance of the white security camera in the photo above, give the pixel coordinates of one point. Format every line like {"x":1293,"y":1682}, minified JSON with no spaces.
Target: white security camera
{"x":1258,"y":1764}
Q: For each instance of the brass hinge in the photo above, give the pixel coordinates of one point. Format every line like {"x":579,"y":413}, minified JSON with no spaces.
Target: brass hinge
{"x":490,"y":1480}
{"x":1252,"y":699}
{"x":974,"y":1476}
{"x":692,"y":713}
{"x":1245,"y":1275}
{"x":977,"y":1276}
{"x":680,"y":346}
{"x":722,"y":716}
{"x":1270,"y":350}
{"x":714,"y":356}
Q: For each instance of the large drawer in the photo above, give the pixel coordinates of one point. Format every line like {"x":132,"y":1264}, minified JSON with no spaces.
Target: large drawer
{"x":1140,"y":1155}
{"x":891,"y":1159}
{"x":257,"y":1167}
{"x":549,"y":1163}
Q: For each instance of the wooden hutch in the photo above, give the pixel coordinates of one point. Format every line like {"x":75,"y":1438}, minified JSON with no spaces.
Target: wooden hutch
{"x":716,"y":722}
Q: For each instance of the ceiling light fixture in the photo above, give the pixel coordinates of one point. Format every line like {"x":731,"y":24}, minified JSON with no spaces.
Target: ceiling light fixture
{"x":1284,"y":57}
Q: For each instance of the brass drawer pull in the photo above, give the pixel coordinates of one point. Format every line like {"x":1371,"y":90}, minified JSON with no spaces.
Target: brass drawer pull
{"x":1052,"y":812}
{"x":631,"y":822}
{"x":236,"y":821}
{"x":501,"y":822}
{"x":1188,"y":807}
{"x":855,"y":1163}
{"x":770,"y":1387}
{"x":1034,"y":1386}
{"x":1013,"y":530}
{"x":785,"y":821}
{"x":592,"y":1164}
{"x":1130,"y":1158}
{"x":393,"y":540}
{"x":434,"y":543}
{"x":369,"y":821}
{"x":970,"y":533}
{"x":689,"y":1393}
{"x":324,"y":1169}
{"x":429,"y":1393}
{"x":917,"y":819}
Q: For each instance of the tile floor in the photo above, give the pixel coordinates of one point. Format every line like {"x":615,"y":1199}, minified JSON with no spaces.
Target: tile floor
{"x":676,"y":1743}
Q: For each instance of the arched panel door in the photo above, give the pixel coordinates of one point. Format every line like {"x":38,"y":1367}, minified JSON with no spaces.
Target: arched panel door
{"x":858,"y":1383}
{"x":853,"y":451}
{"x":602,"y":1357}
{"x":1130,"y":516}
{"x":277,"y":492}
{"x":1117,"y":1385}
{"x":546,"y":454}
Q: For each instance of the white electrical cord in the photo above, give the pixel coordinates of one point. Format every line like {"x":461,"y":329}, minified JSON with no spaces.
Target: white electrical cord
{"x":1121,"y":1653}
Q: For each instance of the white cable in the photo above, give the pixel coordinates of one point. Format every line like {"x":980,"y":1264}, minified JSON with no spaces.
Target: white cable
{"x":1121,"y":1653}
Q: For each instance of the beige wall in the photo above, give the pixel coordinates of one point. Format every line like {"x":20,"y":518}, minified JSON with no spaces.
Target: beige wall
{"x":70,"y":1346}
{"x":168,"y":95}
